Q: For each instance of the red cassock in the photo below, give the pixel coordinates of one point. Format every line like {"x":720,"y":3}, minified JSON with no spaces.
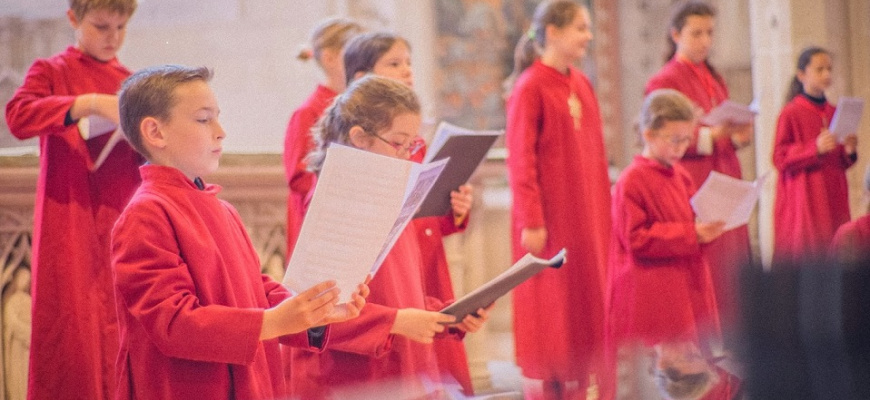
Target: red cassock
{"x":449,"y":351}
{"x":362,"y":354}
{"x":190,"y":297}
{"x":557,"y":171}
{"x":298,"y":142}
{"x":659,"y":286}
{"x":812,"y":195}
{"x":75,"y":331}
{"x":730,"y":251}
{"x":852,"y":240}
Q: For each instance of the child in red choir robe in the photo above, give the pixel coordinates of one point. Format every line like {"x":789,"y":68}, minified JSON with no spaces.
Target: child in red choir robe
{"x":197,"y":317}
{"x":388,"y":348}
{"x":75,"y":334}
{"x":659,"y":287}
{"x":388,"y":55}
{"x":851,"y":243}
{"x":557,"y":170}
{"x":327,"y":40}
{"x":812,"y":195}
{"x":713,"y":148}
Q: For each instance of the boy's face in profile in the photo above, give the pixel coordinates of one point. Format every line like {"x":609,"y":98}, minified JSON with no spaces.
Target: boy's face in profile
{"x":668,"y":143}
{"x":100,"y":33}
{"x":191,"y":139}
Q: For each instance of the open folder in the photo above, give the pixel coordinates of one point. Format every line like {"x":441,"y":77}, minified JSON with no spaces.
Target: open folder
{"x":360,"y":206}
{"x":725,"y":198}
{"x":466,"y":149}
{"x":522,"y":270}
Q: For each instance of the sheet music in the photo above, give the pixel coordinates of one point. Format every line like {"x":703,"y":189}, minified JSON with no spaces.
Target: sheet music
{"x":353,"y":218}
{"x":724,"y":198}
{"x":847,"y":118}
{"x":94,"y":125}
{"x":729,"y":111}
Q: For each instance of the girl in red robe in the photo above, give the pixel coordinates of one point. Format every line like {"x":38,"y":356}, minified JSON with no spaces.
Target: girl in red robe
{"x":812,"y":195}
{"x":713,"y":148}
{"x":327,"y":40}
{"x":388,"y":348}
{"x":557,"y":171}
{"x":659,"y":288}
{"x":388,"y":55}
{"x":75,"y":330}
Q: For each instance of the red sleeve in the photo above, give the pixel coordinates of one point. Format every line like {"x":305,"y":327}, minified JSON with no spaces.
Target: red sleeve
{"x":523,"y":120}
{"x":297,"y":143}
{"x":790,"y":154}
{"x":156,"y":288}
{"x":33,"y":109}
{"x":369,"y":334}
{"x":648,"y":238}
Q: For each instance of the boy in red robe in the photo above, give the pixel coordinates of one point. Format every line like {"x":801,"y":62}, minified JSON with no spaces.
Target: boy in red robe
{"x":197,"y":317}
{"x":659,"y":288}
{"x":75,"y":330}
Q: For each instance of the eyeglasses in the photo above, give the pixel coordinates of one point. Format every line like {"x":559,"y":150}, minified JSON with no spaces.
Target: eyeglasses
{"x":412,"y":148}
{"x":676,"y":140}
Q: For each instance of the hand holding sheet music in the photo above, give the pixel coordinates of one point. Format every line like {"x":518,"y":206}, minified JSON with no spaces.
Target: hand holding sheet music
{"x":847,"y":118}
{"x":518,"y":273}
{"x":724,"y":198}
{"x":360,"y":206}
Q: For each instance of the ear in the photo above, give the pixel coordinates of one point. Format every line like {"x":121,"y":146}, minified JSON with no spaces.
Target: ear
{"x":152,"y":135}
{"x":647,"y":135}
{"x":73,"y":21}
{"x":675,"y":35}
{"x":358,"y":137}
{"x":800,"y":75}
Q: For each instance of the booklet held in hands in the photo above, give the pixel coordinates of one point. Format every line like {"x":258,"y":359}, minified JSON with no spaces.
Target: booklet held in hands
{"x":847,"y":117}
{"x":724,"y":198}
{"x":360,"y":206}
{"x":522,"y":270}
{"x":466,"y":149}
{"x":729,"y":111}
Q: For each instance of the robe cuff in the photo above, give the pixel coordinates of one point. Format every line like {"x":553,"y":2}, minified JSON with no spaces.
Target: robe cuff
{"x":705,"y":141}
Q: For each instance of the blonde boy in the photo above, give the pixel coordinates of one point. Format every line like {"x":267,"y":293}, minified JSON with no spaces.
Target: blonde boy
{"x":197,"y":317}
{"x":75,"y":337}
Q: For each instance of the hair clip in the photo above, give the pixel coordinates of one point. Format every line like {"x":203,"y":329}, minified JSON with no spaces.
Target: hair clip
{"x":531,"y":33}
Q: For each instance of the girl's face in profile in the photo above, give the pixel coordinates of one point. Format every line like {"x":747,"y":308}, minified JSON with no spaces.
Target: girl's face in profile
{"x":572,"y":40}
{"x":668,"y":143}
{"x":399,"y":140}
{"x":396,"y":64}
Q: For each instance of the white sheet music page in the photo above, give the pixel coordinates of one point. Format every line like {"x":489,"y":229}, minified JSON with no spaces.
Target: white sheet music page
{"x":847,"y":118}
{"x":724,"y":198}
{"x":729,"y":111}
{"x":354,"y":206}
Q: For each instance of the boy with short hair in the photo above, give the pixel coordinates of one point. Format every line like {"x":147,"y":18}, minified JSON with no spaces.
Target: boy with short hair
{"x":75,"y":337}
{"x":197,"y":317}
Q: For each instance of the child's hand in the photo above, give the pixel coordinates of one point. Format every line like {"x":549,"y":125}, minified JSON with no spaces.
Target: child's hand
{"x":741,"y":135}
{"x":826,"y":141}
{"x":344,"y":312}
{"x":300,"y":312}
{"x":850,"y":144}
{"x":534,"y":239}
{"x":461,"y":201}
{"x":473,"y":323}
{"x":420,"y":325}
{"x":707,"y":232}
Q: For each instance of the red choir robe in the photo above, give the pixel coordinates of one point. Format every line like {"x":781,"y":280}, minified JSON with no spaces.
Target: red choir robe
{"x":731,"y":250}
{"x":659,"y":286}
{"x":450,"y":352}
{"x":75,"y":330}
{"x":298,"y":142}
{"x":557,"y":171}
{"x":852,"y":240}
{"x":190,"y":297}
{"x":362,"y":354}
{"x":437,"y":283}
{"x":812,"y":195}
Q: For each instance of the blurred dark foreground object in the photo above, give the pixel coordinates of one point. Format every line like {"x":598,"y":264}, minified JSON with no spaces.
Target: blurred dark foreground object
{"x":806,"y":330}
